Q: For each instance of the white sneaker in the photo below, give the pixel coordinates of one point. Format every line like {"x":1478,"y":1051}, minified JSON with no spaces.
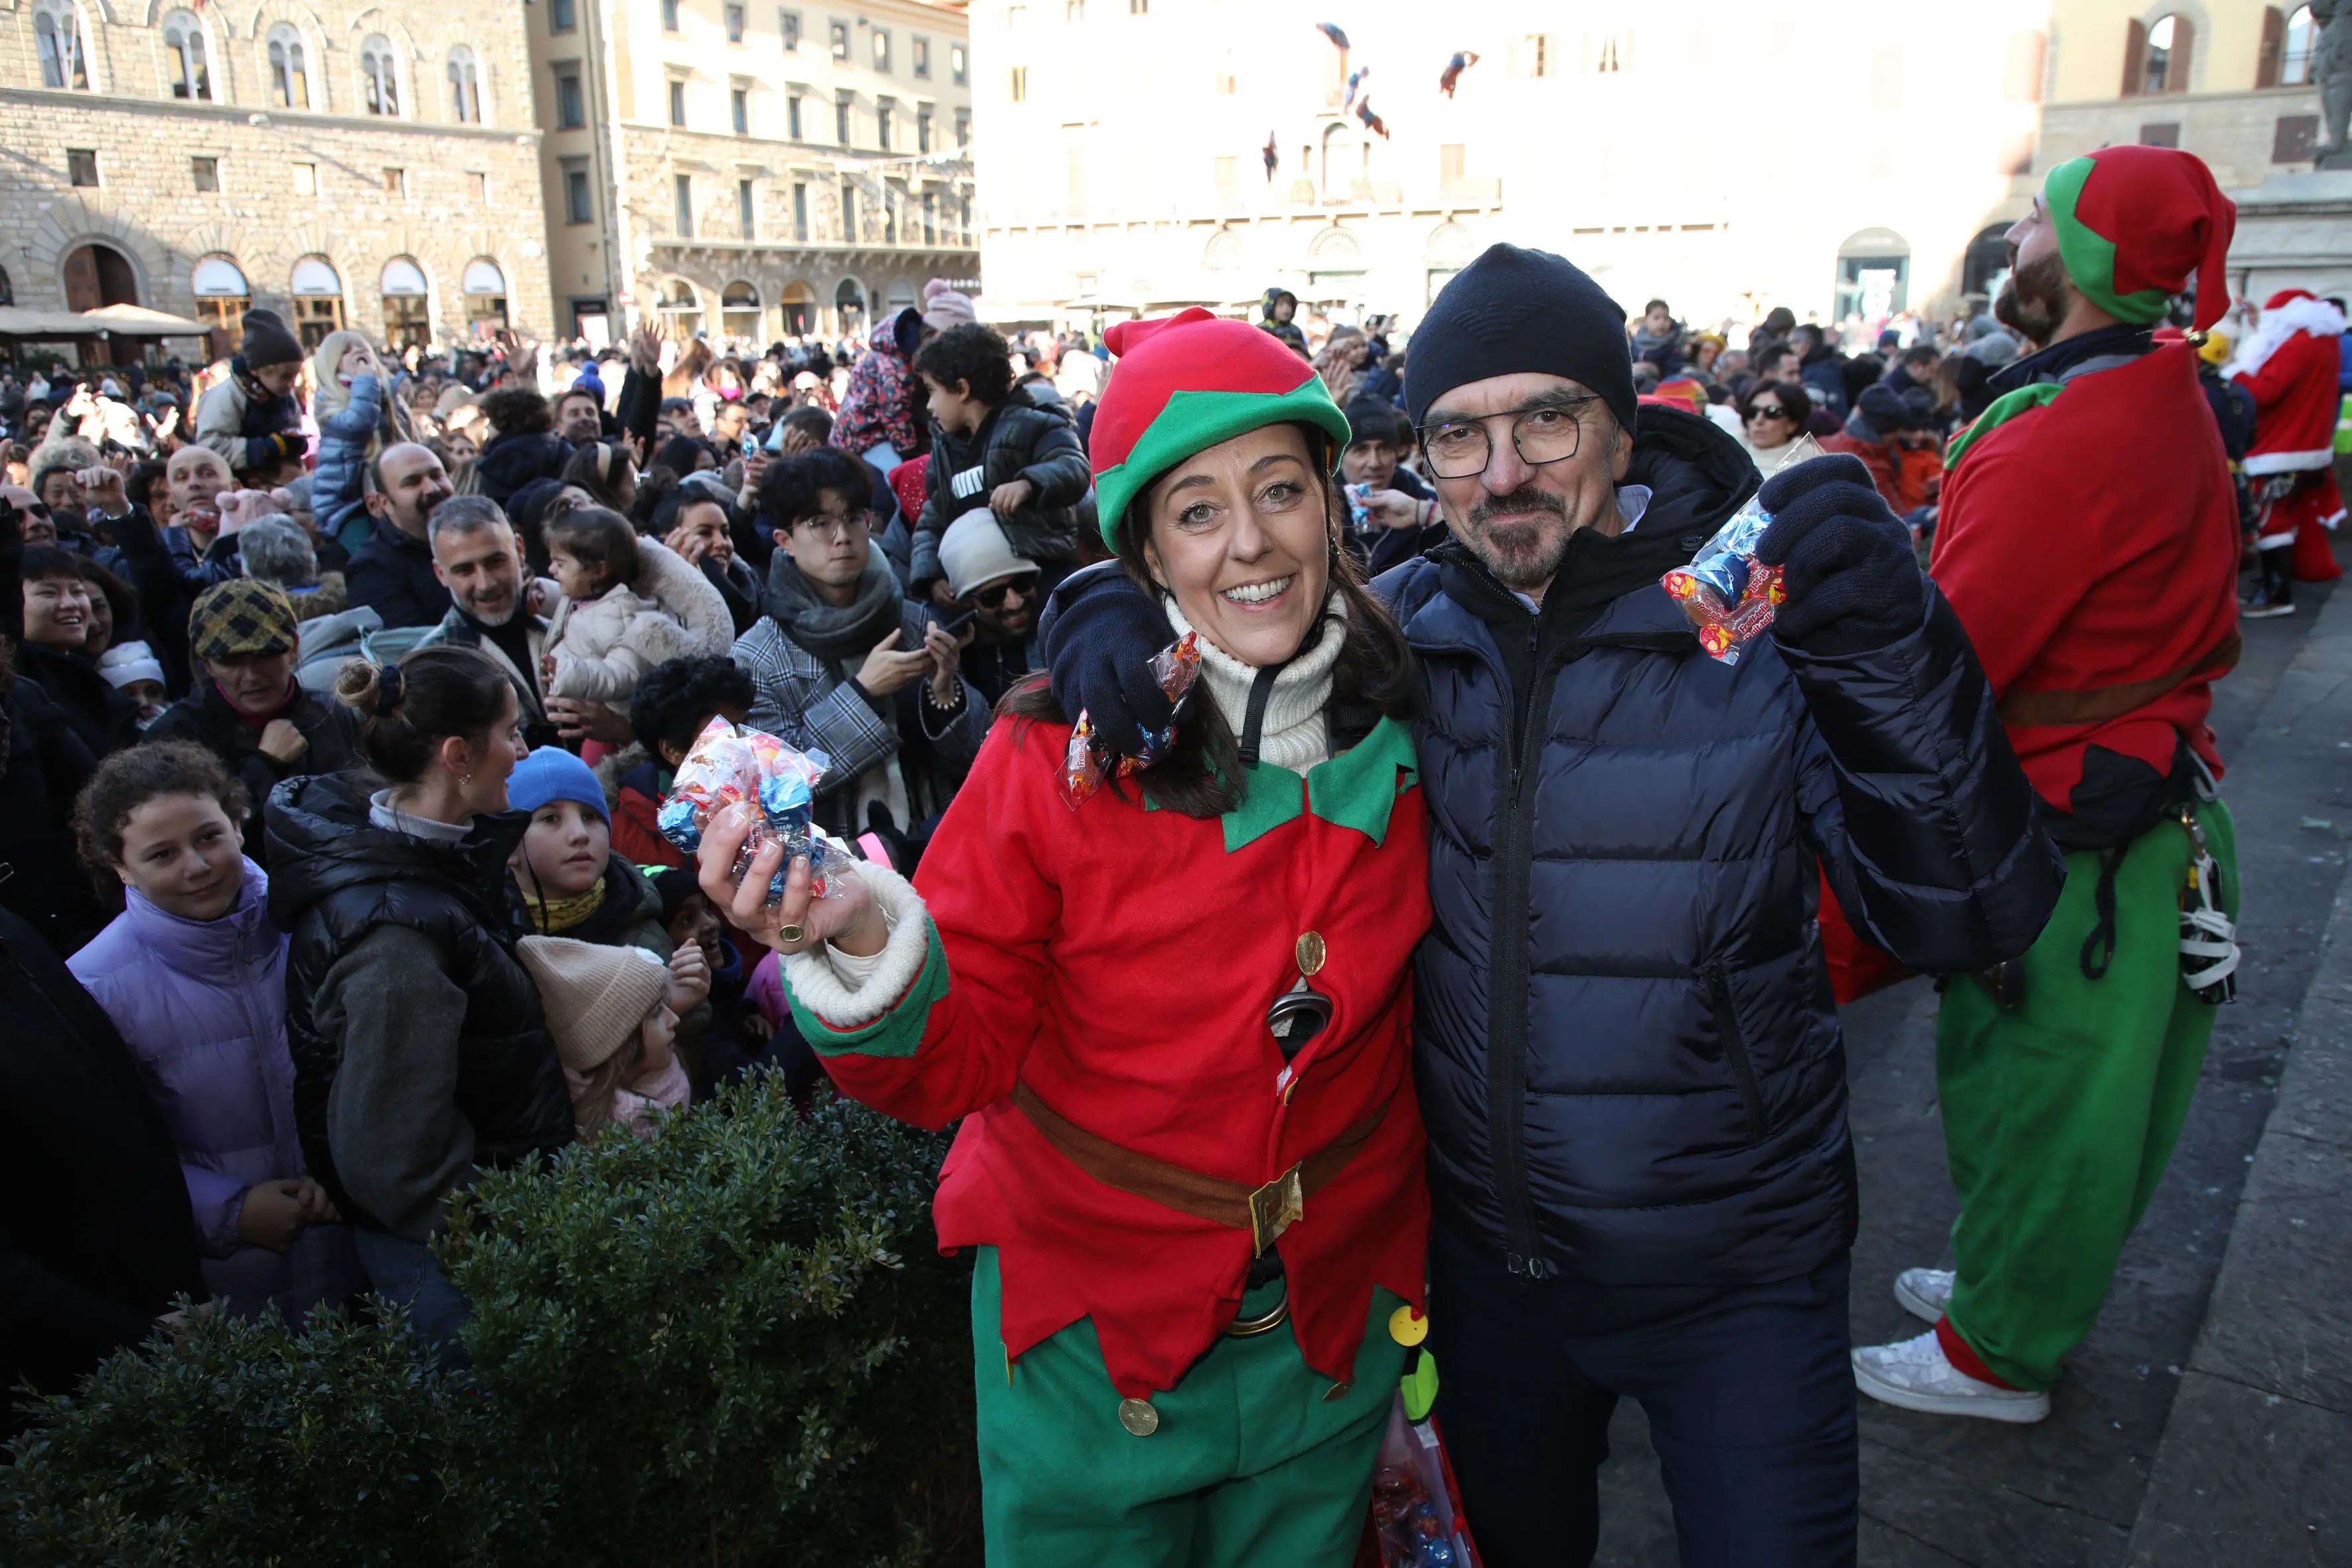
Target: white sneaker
{"x":1924,"y":1293}
{"x":1914,"y":1374}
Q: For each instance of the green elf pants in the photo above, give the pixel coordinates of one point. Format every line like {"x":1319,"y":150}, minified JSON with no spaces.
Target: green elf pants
{"x":1256,"y":1463}
{"x":2059,"y":1117}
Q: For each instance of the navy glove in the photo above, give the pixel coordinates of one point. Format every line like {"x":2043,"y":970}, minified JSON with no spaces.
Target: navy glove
{"x":1853,"y":583}
{"x":1100,"y":633}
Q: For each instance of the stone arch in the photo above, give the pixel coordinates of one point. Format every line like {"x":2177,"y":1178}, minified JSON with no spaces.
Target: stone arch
{"x":408,"y":61}
{"x":1449,"y":245}
{"x":1334,"y":248}
{"x":317,"y":65}
{"x":1224,"y":252}
{"x":72,"y":223}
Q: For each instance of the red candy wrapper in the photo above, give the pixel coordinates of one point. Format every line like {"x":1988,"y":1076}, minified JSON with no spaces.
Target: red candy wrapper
{"x":1729,"y":595}
{"x":1088,"y":762}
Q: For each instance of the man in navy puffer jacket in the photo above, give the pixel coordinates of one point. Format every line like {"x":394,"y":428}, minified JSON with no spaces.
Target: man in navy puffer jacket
{"x":1625,"y":1048}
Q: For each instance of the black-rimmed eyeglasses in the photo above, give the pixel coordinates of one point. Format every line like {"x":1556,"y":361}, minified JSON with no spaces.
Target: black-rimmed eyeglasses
{"x":1545,"y":432}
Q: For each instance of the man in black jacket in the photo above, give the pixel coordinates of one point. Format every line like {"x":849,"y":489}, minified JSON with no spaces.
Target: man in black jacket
{"x":392,"y":574}
{"x":88,"y":1268}
{"x":1627,"y":1059}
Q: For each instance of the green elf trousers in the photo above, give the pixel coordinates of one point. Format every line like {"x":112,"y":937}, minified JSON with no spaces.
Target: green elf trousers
{"x":1258,"y":1461}
{"x":2059,"y":1117}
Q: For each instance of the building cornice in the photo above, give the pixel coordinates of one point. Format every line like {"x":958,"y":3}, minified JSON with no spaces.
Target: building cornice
{"x":226,"y":114}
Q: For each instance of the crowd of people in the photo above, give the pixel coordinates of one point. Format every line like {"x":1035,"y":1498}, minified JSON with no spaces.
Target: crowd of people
{"x":342,"y":691}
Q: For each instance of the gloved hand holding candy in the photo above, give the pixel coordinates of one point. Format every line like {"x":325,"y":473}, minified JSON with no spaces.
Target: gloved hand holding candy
{"x":726,"y":766}
{"x":1089,"y":760}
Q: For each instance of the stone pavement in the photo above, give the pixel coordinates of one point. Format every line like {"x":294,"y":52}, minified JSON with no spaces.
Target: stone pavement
{"x":2182,"y":1436}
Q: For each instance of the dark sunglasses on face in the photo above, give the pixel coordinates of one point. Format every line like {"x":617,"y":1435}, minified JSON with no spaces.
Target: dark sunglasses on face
{"x":988,"y":598}
{"x":1766,"y":411}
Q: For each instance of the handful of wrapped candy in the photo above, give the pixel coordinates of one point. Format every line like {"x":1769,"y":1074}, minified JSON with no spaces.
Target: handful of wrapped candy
{"x":1087,"y":762}
{"x":726,"y":765}
{"x":1729,"y":595}
{"x":1410,"y":1535}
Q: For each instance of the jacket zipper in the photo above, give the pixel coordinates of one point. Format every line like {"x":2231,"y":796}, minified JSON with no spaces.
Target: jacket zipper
{"x":1506,"y":1010}
{"x":1735,"y":1049}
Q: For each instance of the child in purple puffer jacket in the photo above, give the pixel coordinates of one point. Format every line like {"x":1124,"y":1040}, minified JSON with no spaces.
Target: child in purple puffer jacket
{"x":193,"y":977}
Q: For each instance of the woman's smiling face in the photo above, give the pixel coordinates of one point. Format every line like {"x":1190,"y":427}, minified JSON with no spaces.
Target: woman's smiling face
{"x":1241,"y":536}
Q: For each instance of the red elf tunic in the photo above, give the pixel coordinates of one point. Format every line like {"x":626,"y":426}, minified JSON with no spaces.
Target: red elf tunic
{"x":2088,"y":541}
{"x":1118,"y":961}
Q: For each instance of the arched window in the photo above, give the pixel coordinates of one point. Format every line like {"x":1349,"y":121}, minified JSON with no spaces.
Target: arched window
{"x":849,"y":304}
{"x":318,"y":300}
{"x":2156,"y":56}
{"x":2295,"y":64}
{"x":799,"y":302}
{"x":58,"y":37}
{"x":185,"y":60}
{"x":485,"y":285}
{"x":289,"y":67}
{"x":679,"y":307}
{"x":407,"y":310}
{"x":739,"y":310}
{"x":1334,"y":181}
{"x":465,"y":86}
{"x":379,"y":76}
{"x":222,"y":294}
{"x":1874,"y":275}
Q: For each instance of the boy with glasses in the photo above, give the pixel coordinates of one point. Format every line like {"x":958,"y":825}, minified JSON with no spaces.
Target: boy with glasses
{"x":841,"y":664}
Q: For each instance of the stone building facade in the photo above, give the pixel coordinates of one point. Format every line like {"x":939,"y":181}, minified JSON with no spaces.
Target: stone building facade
{"x":751,"y":171}
{"x":369,"y":165}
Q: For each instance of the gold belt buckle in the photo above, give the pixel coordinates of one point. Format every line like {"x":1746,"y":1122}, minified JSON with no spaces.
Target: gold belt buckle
{"x":1272,"y":1208}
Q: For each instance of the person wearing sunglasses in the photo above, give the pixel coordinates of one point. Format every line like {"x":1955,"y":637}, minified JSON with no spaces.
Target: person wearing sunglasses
{"x":1771,"y":417}
{"x":998,"y":591}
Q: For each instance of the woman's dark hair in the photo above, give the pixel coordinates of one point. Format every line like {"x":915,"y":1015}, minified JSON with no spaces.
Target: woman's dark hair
{"x":121,"y":598}
{"x":791,"y":490}
{"x":656,"y":487}
{"x":682,"y":455}
{"x":1202,"y":773}
{"x":517,"y":410}
{"x":972,"y":352}
{"x":596,"y":467}
{"x":598,"y":538}
{"x":676,"y":698}
{"x":1792,"y":399}
{"x":412,"y":705}
{"x":130,"y":778}
{"x":44,"y":563}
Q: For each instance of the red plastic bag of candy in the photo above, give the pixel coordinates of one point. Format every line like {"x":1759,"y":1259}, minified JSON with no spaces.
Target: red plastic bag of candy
{"x":1729,"y":595}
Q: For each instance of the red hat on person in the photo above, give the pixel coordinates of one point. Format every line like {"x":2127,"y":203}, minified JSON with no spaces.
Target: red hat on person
{"x":2134,"y":223}
{"x":908,"y":483}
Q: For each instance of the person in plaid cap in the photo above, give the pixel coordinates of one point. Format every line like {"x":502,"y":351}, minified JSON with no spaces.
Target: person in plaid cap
{"x":246,"y":707}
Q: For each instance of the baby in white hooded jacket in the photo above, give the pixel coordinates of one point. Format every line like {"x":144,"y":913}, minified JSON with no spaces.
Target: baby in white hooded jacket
{"x":627,"y":604}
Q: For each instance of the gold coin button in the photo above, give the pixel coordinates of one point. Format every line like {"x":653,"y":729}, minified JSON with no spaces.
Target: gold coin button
{"x":1139,"y":1417}
{"x":1339,"y":1391}
{"x":1408,"y":1327}
{"x":1310,"y":953}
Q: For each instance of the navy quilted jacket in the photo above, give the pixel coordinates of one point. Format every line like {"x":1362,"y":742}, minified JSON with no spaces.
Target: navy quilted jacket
{"x":1627,"y":1053}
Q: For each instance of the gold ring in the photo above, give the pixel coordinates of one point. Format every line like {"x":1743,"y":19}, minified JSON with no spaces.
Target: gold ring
{"x":1245,"y":1329}
{"x":790,"y":933}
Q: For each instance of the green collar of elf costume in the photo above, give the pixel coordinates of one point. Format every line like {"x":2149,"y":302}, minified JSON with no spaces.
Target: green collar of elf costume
{"x":1358,"y":789}
{"x":1183,"y":384}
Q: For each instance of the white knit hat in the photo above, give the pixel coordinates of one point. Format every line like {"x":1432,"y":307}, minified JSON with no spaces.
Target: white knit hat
{"x":595,"y":997}
{"x":130,"y":661}
{"x":975,"y":552}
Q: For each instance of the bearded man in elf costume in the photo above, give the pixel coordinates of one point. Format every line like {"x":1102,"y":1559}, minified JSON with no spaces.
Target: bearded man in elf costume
{"x":1176,"y":1020}
{"x":2089,"y":542}
{"x":2291,"y":363}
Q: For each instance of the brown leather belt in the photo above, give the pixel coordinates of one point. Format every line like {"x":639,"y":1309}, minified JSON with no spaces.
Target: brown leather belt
{"x":1265,"y":1212}
{"x":2032,"y":710}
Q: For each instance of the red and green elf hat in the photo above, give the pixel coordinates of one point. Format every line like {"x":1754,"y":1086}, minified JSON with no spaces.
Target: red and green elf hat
{"x":2133,"y":222}
{"x":1185,"y":383}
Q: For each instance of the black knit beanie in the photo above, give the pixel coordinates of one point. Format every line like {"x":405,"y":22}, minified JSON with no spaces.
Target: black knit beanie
{"x":267,"y":341}
{"x":1514,"y":311}
{"x":1370,"y":419}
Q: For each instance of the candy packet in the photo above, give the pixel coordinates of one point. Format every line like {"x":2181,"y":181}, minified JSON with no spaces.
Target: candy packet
{"x":726,"y":766}
{"x":1728,"y":594}
{"x":1088,"y":762}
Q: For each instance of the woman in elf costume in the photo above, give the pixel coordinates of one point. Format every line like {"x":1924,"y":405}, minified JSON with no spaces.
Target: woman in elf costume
{"x":1176,"y":1019}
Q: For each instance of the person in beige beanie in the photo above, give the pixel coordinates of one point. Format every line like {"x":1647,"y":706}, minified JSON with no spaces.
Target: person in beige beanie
{"x":613,"y":1029}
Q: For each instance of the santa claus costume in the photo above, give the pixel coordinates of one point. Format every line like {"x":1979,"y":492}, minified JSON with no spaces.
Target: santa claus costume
{"x":2089,"y":542}
{"x":2291,"y":363}
{"x":1199,"y":1213}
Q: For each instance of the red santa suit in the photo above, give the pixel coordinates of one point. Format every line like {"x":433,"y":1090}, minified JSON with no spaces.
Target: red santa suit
{"x":2290,"y":362}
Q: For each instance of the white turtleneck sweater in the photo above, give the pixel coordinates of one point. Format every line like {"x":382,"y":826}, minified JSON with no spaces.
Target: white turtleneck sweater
{"x":1295,"y":733}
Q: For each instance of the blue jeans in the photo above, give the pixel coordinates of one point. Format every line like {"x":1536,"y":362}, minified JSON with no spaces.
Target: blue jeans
{"x":406,"y":1272}
{"x":1750,"y":1393}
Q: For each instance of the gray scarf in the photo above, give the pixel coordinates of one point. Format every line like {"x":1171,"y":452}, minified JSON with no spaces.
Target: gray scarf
{"x":825,"y":630}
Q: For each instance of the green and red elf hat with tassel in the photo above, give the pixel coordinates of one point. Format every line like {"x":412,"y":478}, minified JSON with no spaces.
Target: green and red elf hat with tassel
{"x":2133,"y":224}
{"x":1181,"y":385}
